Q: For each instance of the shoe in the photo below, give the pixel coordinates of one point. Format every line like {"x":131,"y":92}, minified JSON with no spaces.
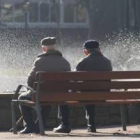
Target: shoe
{"x":11,"y":130}
{"x":62,"y":129}
{"x":36,"y":130}
{"x":91,"y":128}
{"x":26,"y":130}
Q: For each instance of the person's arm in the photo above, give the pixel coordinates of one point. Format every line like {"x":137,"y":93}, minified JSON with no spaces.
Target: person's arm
{"x":111,"y":68}
{"x":68,"y":66}
{"x":80,"y":65}
{"x":31,"y":75}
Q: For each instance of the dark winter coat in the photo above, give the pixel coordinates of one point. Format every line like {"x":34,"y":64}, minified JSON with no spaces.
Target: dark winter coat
{"x":49,"y":61}
{"x":94,"y":62}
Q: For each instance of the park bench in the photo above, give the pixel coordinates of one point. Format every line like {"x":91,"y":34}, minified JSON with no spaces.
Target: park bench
{"x":80,"y":88}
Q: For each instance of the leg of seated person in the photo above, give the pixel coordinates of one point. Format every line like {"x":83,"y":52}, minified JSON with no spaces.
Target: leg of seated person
{"x":90,"y":113}
{"x":27,"y":114}
{"x":63,"y":114}
{"x":45,"y":112}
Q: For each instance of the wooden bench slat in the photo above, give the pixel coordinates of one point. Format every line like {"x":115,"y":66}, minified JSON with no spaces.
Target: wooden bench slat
{"x":25,"y":102}
{"x":129,"y":101}
{"x":77,"y":103}
{"x":100,"y":75}
{"x":88,"y":85}
{"x":89,"y":96}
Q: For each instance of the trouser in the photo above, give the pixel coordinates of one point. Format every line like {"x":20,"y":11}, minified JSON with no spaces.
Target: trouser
{"x":63,"y":114}
{"x":28,"y":119}
{"x":90,"y":113}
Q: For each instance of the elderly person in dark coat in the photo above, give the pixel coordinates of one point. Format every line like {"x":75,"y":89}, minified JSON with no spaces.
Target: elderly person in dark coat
{"x":50,"y":60}
{"x":94,"y":61}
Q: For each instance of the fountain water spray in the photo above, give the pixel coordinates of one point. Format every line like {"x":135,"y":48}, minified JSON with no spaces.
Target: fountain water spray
{"x":19,"y":49}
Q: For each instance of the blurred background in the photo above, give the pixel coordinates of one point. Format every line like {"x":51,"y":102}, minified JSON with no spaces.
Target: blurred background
{"x":100,"y":17}
{"x":23,"y":23}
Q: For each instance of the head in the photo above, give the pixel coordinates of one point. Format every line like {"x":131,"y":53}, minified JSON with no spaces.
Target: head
{"x":91,"y":46}
{"x":48,"y":43}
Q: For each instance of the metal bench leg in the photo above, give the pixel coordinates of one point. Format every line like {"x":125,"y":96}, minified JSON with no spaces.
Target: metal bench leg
{"x":123,"y":117}
{"x":13,"y":118}
{"x":38,"y":110}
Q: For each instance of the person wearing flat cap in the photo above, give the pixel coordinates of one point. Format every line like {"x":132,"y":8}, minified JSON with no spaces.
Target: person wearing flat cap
{"x":50,"y":60}
{"x":94,"y":60}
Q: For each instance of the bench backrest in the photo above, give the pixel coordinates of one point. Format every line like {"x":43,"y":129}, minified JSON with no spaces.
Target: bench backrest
{"x":80,"y":85}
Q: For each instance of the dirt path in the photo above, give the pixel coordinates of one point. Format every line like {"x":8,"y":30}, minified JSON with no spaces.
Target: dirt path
{"x":108,"y":133}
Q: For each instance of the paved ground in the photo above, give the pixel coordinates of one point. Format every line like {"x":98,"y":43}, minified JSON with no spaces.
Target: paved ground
{"x":106,"y":133}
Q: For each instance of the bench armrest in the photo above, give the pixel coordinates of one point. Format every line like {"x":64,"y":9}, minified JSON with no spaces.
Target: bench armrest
{"x":19,"y":88}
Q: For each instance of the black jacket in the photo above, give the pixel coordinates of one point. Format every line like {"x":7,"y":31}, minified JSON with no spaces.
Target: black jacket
{"x":94,"y":62}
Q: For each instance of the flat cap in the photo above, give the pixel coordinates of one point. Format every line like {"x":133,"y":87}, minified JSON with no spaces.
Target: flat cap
{"x":91,"y":44}
{"x":48,"y":41}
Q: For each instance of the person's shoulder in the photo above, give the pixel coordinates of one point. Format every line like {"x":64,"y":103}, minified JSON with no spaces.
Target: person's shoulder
{"x":108,"y":61}
{"x":83,"y":59}
{"x":105,"y":57}
{"x":63,"y":59}
{"x":36,"y":60}
{"x":40,"y":56}
{"x":81,"y":64}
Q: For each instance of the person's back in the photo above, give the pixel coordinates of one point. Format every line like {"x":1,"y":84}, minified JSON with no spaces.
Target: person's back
{"x":50,"y":60}
{"x":94,"y":62}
